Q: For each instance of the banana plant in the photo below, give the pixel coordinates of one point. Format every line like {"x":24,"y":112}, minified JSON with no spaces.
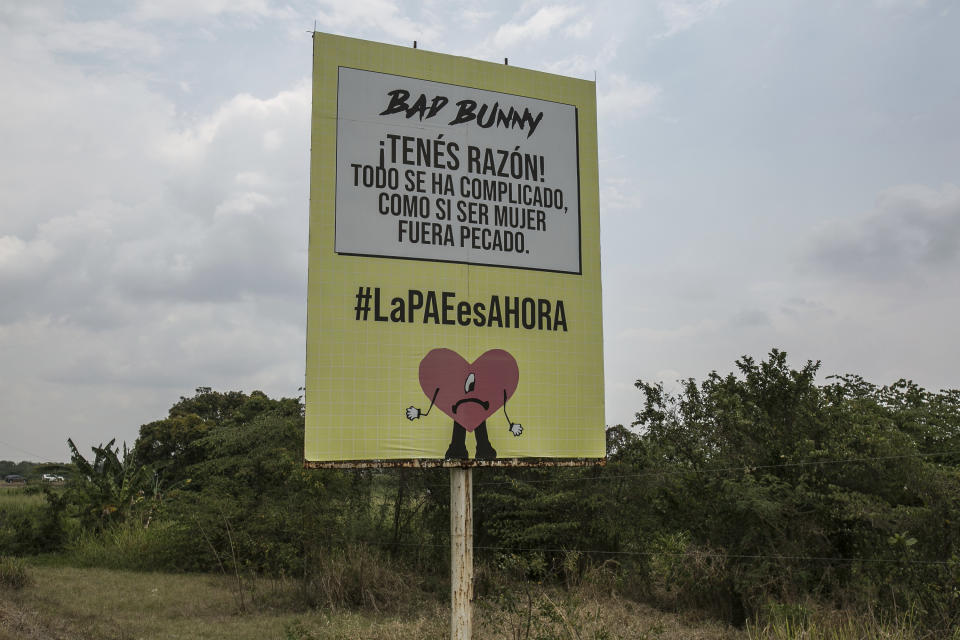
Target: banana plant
{"x":109,"y":486}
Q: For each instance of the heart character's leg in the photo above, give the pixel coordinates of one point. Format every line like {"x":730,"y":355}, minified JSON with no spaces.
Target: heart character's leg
{"x":458,"y":444}
{"x":484,"y":450}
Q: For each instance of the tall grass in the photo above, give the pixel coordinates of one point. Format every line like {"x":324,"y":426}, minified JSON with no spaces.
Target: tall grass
{"x":800,"y":622}
{"x":163,"y":546}
{"x":13,"y":573}
{"x":20,"y":500}
{"x":100,"y":603}
{"x":31,"y":521}
{"x":359,"y":577}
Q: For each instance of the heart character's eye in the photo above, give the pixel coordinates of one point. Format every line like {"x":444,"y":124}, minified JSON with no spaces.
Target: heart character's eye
{"x":469,"y":385}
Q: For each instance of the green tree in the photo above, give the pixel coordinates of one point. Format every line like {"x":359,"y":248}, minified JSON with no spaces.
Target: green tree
{"x":794,"y":488}
{"x":174,"y":445}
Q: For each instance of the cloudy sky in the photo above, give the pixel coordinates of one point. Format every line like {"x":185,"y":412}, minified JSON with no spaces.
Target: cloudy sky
{"x":773,"y":174}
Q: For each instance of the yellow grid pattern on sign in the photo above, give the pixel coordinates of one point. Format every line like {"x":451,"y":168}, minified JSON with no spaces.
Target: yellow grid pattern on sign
{"x":362,"y":375}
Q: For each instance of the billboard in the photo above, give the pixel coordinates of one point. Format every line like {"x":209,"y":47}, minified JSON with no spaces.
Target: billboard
{"x":454,"y":306}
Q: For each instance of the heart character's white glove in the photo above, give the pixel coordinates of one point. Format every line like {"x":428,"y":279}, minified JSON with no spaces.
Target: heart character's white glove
{"x":516,"y":429}
{"x":413,"y":413}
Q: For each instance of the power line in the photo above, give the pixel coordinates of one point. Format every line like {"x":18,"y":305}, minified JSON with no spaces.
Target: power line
{"x":691,"y":470}
{"x":715,"y":470}
{"x":723,"y":556}
{"x":743,"y":467}
{"x":36,"y":456}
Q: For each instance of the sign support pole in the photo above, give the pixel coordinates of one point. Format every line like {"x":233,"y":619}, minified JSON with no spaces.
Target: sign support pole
{"x":461,"y":554}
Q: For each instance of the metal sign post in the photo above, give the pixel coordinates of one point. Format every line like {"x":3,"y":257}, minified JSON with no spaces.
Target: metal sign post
{"x":461,"y":554}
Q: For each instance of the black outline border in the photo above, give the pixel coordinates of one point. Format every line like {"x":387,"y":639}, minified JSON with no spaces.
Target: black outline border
{"x":336,"y":167}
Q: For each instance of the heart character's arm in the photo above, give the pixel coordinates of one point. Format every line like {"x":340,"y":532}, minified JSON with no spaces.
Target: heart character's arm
{"x":413,"y":413}
{"x":515,"y":427}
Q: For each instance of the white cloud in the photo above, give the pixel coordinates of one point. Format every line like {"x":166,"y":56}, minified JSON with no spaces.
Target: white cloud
{"x":251,"y":179}
{"x":680,"y":15}
{"x":20,"y":260}
{"x":271,"y":118}
{"x":579,"y":29}
{"x":474,"y":17}
{"x":620,"y":195}
{"x":581,"y":65}
{"x":36,"y":29}
{"x":197,"y":9}
{"x":70,"y":137}
{"x":536,"y":27}
{"x":102,"y":35}
{"x":384,"y":16}
{"x":242,"y":203}
{"x":897,"y":4}
{"x":619,"y":96}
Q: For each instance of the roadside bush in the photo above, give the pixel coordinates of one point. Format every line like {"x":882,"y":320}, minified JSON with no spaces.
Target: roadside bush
{"x":356,"y":577}
{"x":758,"y":487}
{"x":812,"y":621}
{"x":29,"y":528}
{"x":784,"y":489}
{"x":163,"y":546}
{"x":13,"y":573}
{"x":684,"y":576}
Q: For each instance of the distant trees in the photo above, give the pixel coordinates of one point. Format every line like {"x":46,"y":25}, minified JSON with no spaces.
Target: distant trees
{"x":172,"y":446}
{"x":779,"y":487}
{"x":22,"y":468}
{"x":760,"y":486}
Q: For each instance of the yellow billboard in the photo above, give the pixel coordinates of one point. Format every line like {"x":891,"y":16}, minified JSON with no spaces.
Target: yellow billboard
{"x":454,"y":306}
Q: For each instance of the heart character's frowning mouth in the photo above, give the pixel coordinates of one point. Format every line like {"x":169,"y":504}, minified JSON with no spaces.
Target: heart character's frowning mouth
{"x":482,"y":403}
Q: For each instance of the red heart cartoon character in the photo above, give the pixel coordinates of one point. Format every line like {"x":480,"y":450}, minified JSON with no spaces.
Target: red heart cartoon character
{"x":469,"y":392}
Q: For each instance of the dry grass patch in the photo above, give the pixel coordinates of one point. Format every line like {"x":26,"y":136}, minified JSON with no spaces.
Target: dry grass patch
{"x":62,"y":603}
{"x":544,"y":613}
{"x":65,"y":603}
{"x":13,"y":573}
{"x":815,"y":623}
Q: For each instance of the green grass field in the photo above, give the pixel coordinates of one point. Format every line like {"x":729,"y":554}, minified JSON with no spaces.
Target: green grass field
{"x":63,"y":603}
{"x":66,"y":603}
{"x":49,"y":597}
{"x":13,"y":497}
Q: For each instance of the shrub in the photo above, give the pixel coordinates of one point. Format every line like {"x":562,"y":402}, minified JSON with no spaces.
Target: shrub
{"x":357,"y":577}
{"x":13,"y":573}
{"x":163,"y":546}
{"x":30,"y":527}
{"x":684,"y":575}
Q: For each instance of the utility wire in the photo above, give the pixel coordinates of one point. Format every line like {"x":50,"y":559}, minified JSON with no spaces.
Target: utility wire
{"x":685,"y":471}
{"x":715,"y":470}
{"x":36,"y":456}
{"x":724,"y":556}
